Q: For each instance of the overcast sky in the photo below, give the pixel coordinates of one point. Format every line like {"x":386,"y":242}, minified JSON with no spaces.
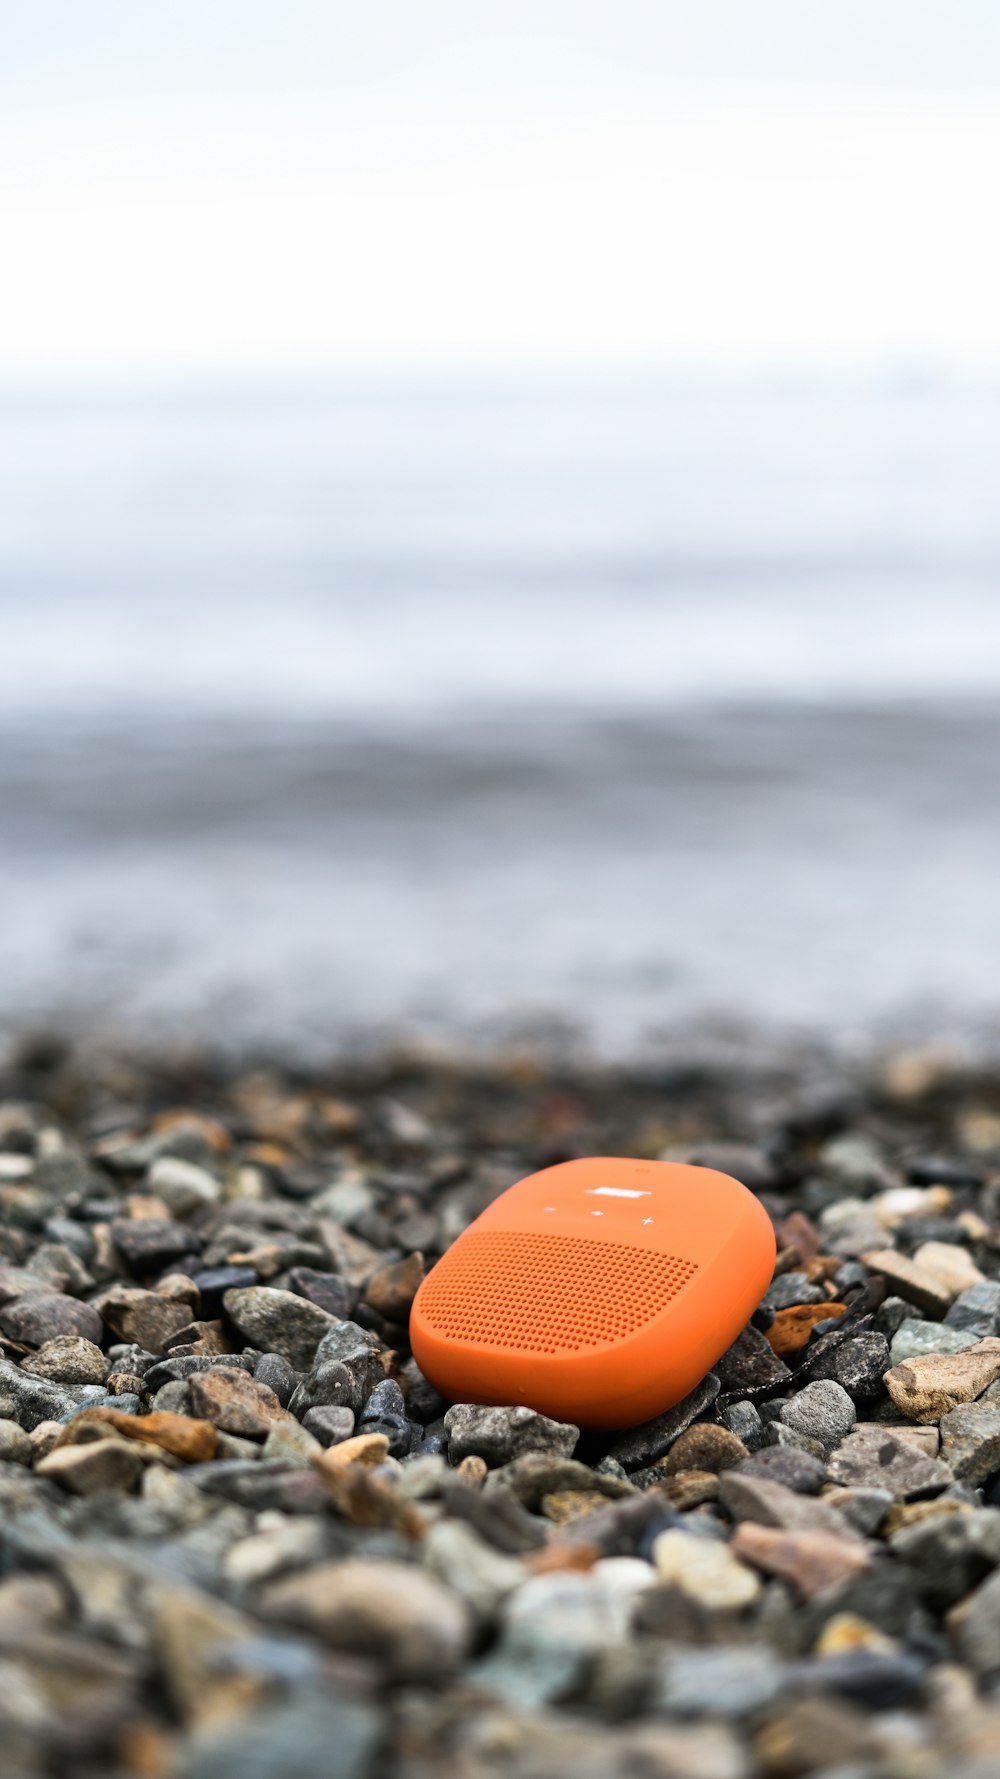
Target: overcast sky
{"x":450,"y":185}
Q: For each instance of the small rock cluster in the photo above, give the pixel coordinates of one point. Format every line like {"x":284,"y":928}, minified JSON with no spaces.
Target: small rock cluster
{"x":240,"y":1534}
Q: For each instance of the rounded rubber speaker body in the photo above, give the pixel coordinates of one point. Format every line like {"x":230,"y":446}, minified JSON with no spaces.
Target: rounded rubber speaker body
{"x":597,"y":1291}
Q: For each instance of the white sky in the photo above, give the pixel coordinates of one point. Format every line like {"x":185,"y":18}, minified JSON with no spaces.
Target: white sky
{"x":469,"y":185}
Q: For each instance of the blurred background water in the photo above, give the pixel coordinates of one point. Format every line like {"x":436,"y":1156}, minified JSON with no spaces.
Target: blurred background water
{"x":332,"y":709}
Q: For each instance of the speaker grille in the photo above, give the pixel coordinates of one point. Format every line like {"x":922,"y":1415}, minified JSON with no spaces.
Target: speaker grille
{"x":547,"y":1293}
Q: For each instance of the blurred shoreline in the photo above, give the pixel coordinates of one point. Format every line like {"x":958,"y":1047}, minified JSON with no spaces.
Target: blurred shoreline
{"x":607,"y":711}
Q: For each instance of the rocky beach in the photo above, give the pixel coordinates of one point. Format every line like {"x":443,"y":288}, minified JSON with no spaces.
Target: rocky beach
{"x":241,"y":1535}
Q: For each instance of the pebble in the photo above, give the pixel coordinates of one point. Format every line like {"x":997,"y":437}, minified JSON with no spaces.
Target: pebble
{"x":705,"y":1571}
{"x":705,"y":1446}
{"x":274,"y":1371}
{"x":951,"y":1553}
{"x":792,"y":1329}
{"x":192,"y":1441}
{"x":481,"y":1575}
{"x":39,"y":1316}
{"x":86,"y":1469}
{"x":68,"y":1359}
{"x":977,"y":1310}
{"x":410,"y":1623}
{"x":856,"y":1361}
{"x":871,"y":1457}
{"x":327,"y":1289}
{"x":927,"y":1387}
{"x":183,"y":1186}
{"x":913,"y":1338}
{"x":15,"y":1445}
{"x":500,"y":1434}
{"x":235,"y":1402}
{"x":727,"y":1682}
{"x":29,"y":1400}
{"x":147,"y":1244}
{"x":800,"y":1471}
{"x":595,"y":1593}
{"x":792,"y":1289}
{"x":974,"y":1624}
{"x":642,"y":1445}
{"x":293,"y":1740}
{"x":392,"y":1288}
{"x":910,"y":1281}
{"x":811,"y":1562}
{"x":278,"y":1322}
{"x":145,"y":1318}
{"x":768,"y":1503}
{"x":822,"y":1411}
{"x":970,"y":1442}
{"x":743,"y":1420}
{"x":952,"y":1266}
{"x":750,"y":1365}
{"x":330,"y":1425}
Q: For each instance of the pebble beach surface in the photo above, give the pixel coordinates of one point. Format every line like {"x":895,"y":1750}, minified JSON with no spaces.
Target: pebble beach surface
{"x":242,"y":1538}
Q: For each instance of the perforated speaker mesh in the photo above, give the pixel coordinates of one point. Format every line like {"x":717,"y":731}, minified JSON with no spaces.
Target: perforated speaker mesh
{"x":547,"y":1293}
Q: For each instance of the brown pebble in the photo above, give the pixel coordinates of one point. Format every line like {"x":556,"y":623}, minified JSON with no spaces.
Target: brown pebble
{"x":368,"y":1500}
{"x":931,"y":1385}
{"x":796,"y":1231}
{"x":704,"y":1446}
{"x":392,"y":1289}
{"x":561,"y":1555}
{"x":192,"y":1441}
{"x":369,"y":1449}
{"x":564,"y":1505}
{"x":791,"y":1328}
{"x":472,"y":1470}
{"x":236,"y":1402}
{"x":690,"y":1488}
{"x":811,"y":1562}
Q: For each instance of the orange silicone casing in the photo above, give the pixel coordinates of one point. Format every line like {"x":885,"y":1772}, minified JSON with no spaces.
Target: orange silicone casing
{"x":599,"y":1291}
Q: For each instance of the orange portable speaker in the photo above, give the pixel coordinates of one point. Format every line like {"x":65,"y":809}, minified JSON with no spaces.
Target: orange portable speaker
{"x":598,"y":1291}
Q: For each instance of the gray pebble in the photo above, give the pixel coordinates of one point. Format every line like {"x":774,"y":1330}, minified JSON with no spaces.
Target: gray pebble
{"x":274,"y":1371}
{"x":822,"y":1411}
